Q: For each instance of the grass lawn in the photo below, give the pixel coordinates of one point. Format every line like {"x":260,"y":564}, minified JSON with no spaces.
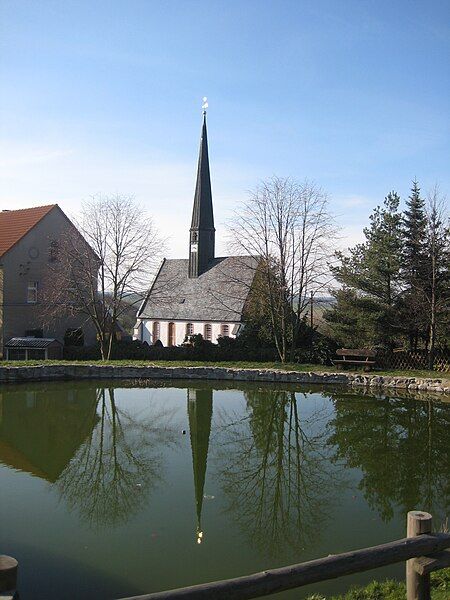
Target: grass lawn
{"x":393,"y":590}
{"x":232,"y":365}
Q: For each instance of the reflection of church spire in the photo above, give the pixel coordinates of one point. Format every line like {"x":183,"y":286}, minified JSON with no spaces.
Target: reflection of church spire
{"x":200,"y":415}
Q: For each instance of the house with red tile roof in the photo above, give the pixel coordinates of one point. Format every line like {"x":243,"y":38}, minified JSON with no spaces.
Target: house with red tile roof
{"x":29,"y":240}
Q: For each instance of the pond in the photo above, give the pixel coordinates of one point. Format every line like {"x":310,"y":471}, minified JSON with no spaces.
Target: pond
{"x":112,"y":489}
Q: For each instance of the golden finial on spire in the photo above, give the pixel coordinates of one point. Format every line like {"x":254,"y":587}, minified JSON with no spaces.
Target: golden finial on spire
{"x":205,"y":104}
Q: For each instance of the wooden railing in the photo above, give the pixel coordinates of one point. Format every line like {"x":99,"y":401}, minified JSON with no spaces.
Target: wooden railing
{"x":422,"y":550}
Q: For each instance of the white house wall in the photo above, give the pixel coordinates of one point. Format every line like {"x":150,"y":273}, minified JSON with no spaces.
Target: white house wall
{"x":144,"y":332}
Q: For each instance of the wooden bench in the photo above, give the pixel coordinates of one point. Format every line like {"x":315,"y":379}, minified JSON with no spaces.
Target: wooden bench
{"x":360,"y":357}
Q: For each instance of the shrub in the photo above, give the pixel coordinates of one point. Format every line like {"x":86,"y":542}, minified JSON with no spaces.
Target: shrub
{"x":199,"y":350}
{"x":321,"y":351}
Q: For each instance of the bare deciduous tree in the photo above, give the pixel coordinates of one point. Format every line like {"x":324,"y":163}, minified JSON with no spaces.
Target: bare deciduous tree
{"x":289,"y":227}
{"x":436,"y":288}
{"x":105,"y":267}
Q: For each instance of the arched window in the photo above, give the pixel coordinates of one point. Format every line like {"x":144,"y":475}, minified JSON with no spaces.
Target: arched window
{"x":171,"y":338}
{"x":189,"y":328}
{"x":156,"y":332}
{"x":207,"y":331}
{"x":224,"y":330}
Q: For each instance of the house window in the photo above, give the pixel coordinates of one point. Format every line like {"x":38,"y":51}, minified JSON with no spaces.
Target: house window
{"x":171,"y":335}
{"x":224,"y":330}
{"x":207,"y":331}
{"x":189,"y":328}
{"x":53,"y":253}
{"x":156,"y":332}
{"x":32,"y":292}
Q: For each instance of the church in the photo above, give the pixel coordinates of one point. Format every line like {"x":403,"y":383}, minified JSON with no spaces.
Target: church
{"x":203,"y":293}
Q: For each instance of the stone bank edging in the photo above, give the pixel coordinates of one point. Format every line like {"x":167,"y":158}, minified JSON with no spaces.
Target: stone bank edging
{"x":12,"y":374}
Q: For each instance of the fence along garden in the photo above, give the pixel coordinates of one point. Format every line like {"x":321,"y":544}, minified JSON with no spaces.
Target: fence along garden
{"x":410,"y":360}
{"x":422,"y":550}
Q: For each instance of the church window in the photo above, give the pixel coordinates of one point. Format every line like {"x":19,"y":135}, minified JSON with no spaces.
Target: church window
{"x":156,"y":331}
{"x":224,"y":330}
{"x":171,"y":335}
{"x":189,"y":328}
{"x":207,"y":331}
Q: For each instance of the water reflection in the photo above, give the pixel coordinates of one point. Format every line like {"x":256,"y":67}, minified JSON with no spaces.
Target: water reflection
{"x":120,"y":462}
{"x":104,"y":460}
{"x":274,"y":471}
{"x":282,"y":465}
{"x":200,"y":410}
{"x":401,"y":447}
{"x":42,"y":428}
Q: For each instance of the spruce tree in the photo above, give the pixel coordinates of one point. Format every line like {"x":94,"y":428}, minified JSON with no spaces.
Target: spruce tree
{"x":414,"y":237}
{"x":370,"y":276}
{"x":414,"y":267}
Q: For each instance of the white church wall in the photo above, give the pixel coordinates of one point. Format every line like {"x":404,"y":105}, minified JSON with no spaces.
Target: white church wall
{"x":144,"y":331}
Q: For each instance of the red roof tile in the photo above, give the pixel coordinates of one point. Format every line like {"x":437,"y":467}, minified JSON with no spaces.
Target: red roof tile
{"x":14,"y":224}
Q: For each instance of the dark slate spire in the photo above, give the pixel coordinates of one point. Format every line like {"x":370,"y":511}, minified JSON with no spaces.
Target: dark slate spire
{"x":202,"y":232}
{"x":200,"y":408}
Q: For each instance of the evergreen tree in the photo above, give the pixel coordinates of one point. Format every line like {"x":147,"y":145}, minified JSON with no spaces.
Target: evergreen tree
{"x":356,"y":320}
{"x":414,"y":267}
{"x":414,"y":237}
{"x":370,"y":275}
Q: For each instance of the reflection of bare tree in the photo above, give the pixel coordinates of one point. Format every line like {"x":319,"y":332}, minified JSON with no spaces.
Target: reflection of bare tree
{"x":401,"y":447}
{"x":113,"y":471}
{"x":273,"y":473}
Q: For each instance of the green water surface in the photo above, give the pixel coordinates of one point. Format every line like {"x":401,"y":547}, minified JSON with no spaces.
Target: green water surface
{"x":110,"y":490}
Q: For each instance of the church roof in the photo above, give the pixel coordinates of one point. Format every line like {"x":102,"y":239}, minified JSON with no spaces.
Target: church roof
{"x":218,"y":294}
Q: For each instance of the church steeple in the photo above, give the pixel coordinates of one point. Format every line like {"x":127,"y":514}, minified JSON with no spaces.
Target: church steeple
{"x":202,"y":232}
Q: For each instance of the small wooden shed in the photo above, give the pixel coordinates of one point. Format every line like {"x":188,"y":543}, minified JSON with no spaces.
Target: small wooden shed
{"x":31,"y":348}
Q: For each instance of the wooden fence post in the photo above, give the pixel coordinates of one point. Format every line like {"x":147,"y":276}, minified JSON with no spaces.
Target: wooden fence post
{"x":417,"y":586}
{"x":8,"y":573}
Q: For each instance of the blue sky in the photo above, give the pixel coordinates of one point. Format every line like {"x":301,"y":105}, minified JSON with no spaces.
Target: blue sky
{"x":106,"y":97}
